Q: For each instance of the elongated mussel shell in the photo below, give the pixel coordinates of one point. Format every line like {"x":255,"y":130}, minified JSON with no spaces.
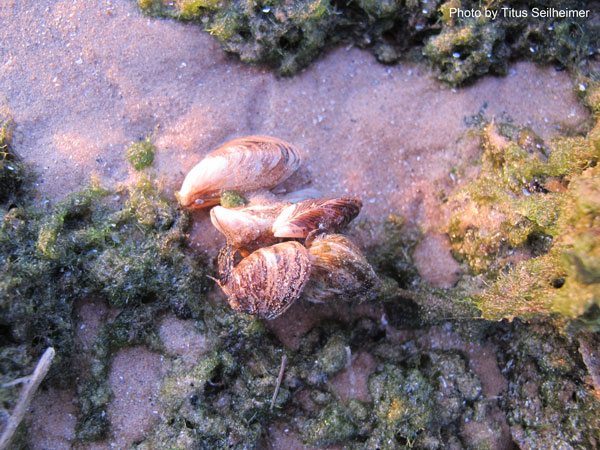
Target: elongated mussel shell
{"x":339,"y":270}
{"x":247,"y":228}
{"x":241,"y":165}
{"x":323,"y":214}
{"x":267,"y":282}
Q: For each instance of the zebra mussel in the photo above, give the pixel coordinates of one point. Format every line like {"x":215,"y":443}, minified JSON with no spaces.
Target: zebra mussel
{"x":290,"y":249}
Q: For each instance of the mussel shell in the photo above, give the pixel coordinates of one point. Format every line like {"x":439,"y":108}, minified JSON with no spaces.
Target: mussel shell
{"x":267,"y":282}
{"x":322,"y":214}
{"x":241,"y":165}
{"x":339,"y":270}
{"x":249,"y":227}
{"x":303,"y":194}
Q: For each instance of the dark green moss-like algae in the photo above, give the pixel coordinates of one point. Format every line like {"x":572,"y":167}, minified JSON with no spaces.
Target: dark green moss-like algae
{"x":127,"y":247}
{"x":289,"y":35}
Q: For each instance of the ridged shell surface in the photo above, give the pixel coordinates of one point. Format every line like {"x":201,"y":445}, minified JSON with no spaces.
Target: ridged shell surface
{"x":323,"y":214}
{"x":247,"y":228}
{"x":241,"y":165}
{"x":267,"y":282}
{"x":339,"y":270}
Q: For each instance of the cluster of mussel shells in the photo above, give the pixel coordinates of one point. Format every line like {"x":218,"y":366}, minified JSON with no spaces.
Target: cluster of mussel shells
{"x":289,"y":249}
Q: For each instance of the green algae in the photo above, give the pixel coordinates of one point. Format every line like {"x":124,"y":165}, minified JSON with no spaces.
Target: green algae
{"x":127,"y":247}
{"x":468,"y":47}
{"x":392,"y":257}
{"x":546,"y":403}
{"x":333,"y":357}
{"x":230,"y":199}
{"x":420,"y":400}
{"x":286,"y":34}
{"x":468,"y":50}
{"x":330,"y":427}
{"x":141,"y":154}
{"x":142,"y":269}
{"x":403,"y":405}
{"x":130,"y":327}
{"x":429,"y":398}
{"x":223,"y":400}
{"x":528,"y":223}
{"x":12,"y":171}
{"x":408,"y":300}
{"x":289,"y":35}
{"x":205,"y":395}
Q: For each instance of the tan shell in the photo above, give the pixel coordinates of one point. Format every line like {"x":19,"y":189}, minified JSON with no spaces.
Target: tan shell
{"x":267,"y":282}
{"x":339,"y":270}
{"x":241,"y":165}
{"x":323,"y":214}
{"x":247,"y":228}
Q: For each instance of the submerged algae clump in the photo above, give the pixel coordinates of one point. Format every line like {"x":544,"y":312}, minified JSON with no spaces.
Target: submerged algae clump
{"x":141,"y":154}
{"x":12,"y":170}
{"x":565,"y":280}
{"x":468,"y":47}
{"x":392,"y":256}
{"x":286,"y":34}
{"x":417,"y":396}
{"x":404,"y":405}
{"x":548,"y":405}
{"x":138,"y":263}
{"x":126,"y":247}
{"x":471,"y":49}
{"x":528,"y":222}
{"x":330,"y":427}
{"x":231,"y":199}
{"x":289,"y":35}
{"x":409,"y":301}
{"x":223,"y":400}
{"x":424,"y":399}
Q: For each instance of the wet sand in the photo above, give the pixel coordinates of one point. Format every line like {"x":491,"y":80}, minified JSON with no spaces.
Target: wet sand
{"x":85,"y":79}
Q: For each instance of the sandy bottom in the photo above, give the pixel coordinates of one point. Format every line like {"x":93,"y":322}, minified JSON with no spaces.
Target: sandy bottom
{"x":85,"y":79}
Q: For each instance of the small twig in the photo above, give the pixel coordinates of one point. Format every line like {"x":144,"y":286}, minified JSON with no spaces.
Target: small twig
{"x":29,"y":388}
{"x":279,"y":378}
{"x":17,"y":381}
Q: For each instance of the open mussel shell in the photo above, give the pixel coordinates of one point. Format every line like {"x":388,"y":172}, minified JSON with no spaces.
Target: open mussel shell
{"x":241,"y":165}
{"x":322,"y":214}
{"x":267,"y":282}
{"x":247,"y":228}
{"x":339,"y":271}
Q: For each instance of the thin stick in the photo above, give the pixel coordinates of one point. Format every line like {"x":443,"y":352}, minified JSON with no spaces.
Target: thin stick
{"x":17,"y":381}
{"x":279,"y":378}
{"x":29,"y":388}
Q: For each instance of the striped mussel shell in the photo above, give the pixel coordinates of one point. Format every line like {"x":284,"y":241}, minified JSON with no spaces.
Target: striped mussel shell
{"x":339,"y":271}
{"x":323,"y":215}
{"x":247,"y":228}
{"x":241,"y":165}
{"x":267,"y":282}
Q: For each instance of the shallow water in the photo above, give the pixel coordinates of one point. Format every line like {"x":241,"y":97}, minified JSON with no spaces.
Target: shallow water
{"x":85,"y":79}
